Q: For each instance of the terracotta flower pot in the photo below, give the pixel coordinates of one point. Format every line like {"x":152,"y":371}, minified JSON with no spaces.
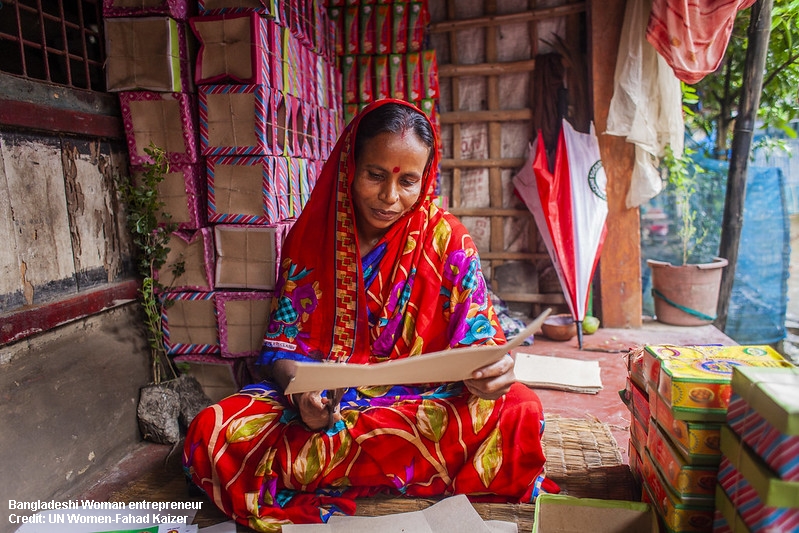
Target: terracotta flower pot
{"x":686,"y":295}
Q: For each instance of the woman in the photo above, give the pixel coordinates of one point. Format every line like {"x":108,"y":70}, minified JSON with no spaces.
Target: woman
{"x":372,"y":270}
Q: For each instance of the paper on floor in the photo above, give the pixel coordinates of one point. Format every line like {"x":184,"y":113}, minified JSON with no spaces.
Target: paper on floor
{"x":562,"y":373}
{"x":451,"y":515}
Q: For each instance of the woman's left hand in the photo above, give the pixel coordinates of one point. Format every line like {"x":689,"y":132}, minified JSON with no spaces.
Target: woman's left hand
{"x":494,"y":380}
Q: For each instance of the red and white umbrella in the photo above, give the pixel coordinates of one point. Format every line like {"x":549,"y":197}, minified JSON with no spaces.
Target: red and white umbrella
{"x":570,"y":207}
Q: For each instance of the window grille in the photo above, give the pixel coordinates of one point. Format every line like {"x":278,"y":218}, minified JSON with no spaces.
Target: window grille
{"x":58,"y":41}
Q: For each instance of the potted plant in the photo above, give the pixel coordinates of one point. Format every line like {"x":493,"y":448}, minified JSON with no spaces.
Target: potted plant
{"x":170,"y":398}
{"x":685,"y":294}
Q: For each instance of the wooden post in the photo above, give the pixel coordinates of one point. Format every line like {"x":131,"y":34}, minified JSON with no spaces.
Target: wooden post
{"x":732,"y":222}
{"x":618,"y":293}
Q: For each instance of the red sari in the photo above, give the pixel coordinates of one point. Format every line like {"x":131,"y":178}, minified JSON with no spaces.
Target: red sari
{"x":419,"y":290}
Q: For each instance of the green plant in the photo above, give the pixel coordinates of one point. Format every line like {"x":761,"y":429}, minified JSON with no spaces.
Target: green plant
{"x":151,"y":239}
{"x":682,"y":174}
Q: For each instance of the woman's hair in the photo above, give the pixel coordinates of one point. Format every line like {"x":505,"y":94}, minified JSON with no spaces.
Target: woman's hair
{"x":394,"y":118}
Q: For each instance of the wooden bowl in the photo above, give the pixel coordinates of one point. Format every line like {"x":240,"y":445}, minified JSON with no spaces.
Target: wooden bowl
{"x":559,"y":327}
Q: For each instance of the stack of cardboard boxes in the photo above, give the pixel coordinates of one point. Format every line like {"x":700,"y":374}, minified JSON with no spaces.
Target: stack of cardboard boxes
{"x":245,"y":99}
{"x":759,"y":472}
{"x":678,"y":396}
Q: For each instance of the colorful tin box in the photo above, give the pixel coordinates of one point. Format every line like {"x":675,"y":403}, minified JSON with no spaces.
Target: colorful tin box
{"x":698,"y":388}
{"x":698,"y":442}
{"x":686,"y":480}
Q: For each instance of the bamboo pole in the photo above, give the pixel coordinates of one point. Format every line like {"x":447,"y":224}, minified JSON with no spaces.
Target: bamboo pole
{"x":732,"y":222}
{"x":486,"y":69}
{"x":505,"y":162}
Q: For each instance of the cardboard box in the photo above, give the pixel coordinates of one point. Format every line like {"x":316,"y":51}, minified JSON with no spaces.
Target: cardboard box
{"x":237,"y":48}
{"x":755,"y":514}
{"x":564,"y":514}
{"x":764,"y":411}
{"x":242,"y":120}
{"x":247,"y":256}
{"x":166,"y":120}
{"x":697,"y":442}
{"x":686,"y":480}
{"x":241,"y":190}
{"x":243,"y":317}
{"x":189,"y":265}
{"x":698,"y":388}
{"x":265,"y":8}
{"x":147,"y":54}
{"x":677,"y":515}
{"x":216,"y":376}
{"x":189,"y":323}
{"x":771,"y":490}
{"x":177,"y":9}
{"x":183,"y":193}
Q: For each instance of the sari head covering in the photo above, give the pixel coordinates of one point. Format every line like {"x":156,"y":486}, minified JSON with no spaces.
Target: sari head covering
{"x":419,"y":290}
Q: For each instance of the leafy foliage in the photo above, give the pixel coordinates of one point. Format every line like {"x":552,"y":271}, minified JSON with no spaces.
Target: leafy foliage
{"x":716,"y":108}
{"x":682,"y":174}
{"x":151,"y":238}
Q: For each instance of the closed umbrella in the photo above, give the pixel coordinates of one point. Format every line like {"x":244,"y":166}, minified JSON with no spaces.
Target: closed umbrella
{"x":570,"y":208}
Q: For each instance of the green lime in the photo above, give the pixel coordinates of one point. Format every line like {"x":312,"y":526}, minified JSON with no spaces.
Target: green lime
{"x":590,"y":325}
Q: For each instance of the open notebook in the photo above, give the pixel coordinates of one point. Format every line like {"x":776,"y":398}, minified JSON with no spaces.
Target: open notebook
{"x":562,"y":373}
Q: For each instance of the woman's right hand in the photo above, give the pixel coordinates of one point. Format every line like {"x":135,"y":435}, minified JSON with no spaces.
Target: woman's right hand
{"x":313,"y":408}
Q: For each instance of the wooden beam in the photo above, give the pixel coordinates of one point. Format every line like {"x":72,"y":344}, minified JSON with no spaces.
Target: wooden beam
{"x":513,"y":18}
{"x":32,"y":320}
{"x":33,"y":116}
{"x":486,"y":69}
{"x":503,"y":115}
{"x":619,"y":289}
{"x":507,"y":162}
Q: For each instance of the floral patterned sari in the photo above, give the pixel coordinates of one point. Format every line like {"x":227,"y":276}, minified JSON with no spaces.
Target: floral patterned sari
{"x":419,"y":290}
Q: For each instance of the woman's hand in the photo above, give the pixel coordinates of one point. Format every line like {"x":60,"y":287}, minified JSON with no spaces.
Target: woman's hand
{"x":315,"y":411}
{"x":494,"y":380}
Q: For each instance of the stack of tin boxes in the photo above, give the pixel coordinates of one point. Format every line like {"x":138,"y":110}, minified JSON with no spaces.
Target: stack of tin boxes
{"x":679,"y":397}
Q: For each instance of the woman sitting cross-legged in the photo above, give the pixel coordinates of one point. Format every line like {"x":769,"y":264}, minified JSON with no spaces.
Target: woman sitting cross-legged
{"x":371,"y":271}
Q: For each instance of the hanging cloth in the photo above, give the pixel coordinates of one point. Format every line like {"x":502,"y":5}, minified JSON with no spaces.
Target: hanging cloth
{"x":646,"y":107}
{"x":692,"y":35}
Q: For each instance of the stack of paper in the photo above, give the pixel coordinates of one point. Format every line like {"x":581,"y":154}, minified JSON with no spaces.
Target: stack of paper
{"x":561,"y":373}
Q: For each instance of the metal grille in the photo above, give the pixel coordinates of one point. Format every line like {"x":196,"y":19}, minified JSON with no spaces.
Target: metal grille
{"x":57,"y":41}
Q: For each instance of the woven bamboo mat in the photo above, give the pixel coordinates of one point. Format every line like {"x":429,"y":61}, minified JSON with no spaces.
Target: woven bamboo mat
{"x":582,"y":458}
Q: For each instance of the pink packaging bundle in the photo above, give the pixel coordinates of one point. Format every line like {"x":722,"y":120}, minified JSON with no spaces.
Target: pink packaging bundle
{"x":243,"y":317}
{"x":241,"y":190}
{"x":166,"y":120}
{"x":237,"y":48}
{"x":183,"y":193}
{"x":177,"y":9}
{"x":189,"y":323}
{"x":189,"y":265}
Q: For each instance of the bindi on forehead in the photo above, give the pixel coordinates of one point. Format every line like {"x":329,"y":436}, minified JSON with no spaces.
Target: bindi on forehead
{"x":396,"y":169}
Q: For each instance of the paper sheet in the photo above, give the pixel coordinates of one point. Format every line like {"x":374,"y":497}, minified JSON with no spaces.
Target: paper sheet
{"x":450,"y":515}
{"x":562,"y":373}
{"x":436,"y":367}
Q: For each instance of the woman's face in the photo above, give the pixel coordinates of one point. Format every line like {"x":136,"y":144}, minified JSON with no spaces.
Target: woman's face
{"x":388,"y":181}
